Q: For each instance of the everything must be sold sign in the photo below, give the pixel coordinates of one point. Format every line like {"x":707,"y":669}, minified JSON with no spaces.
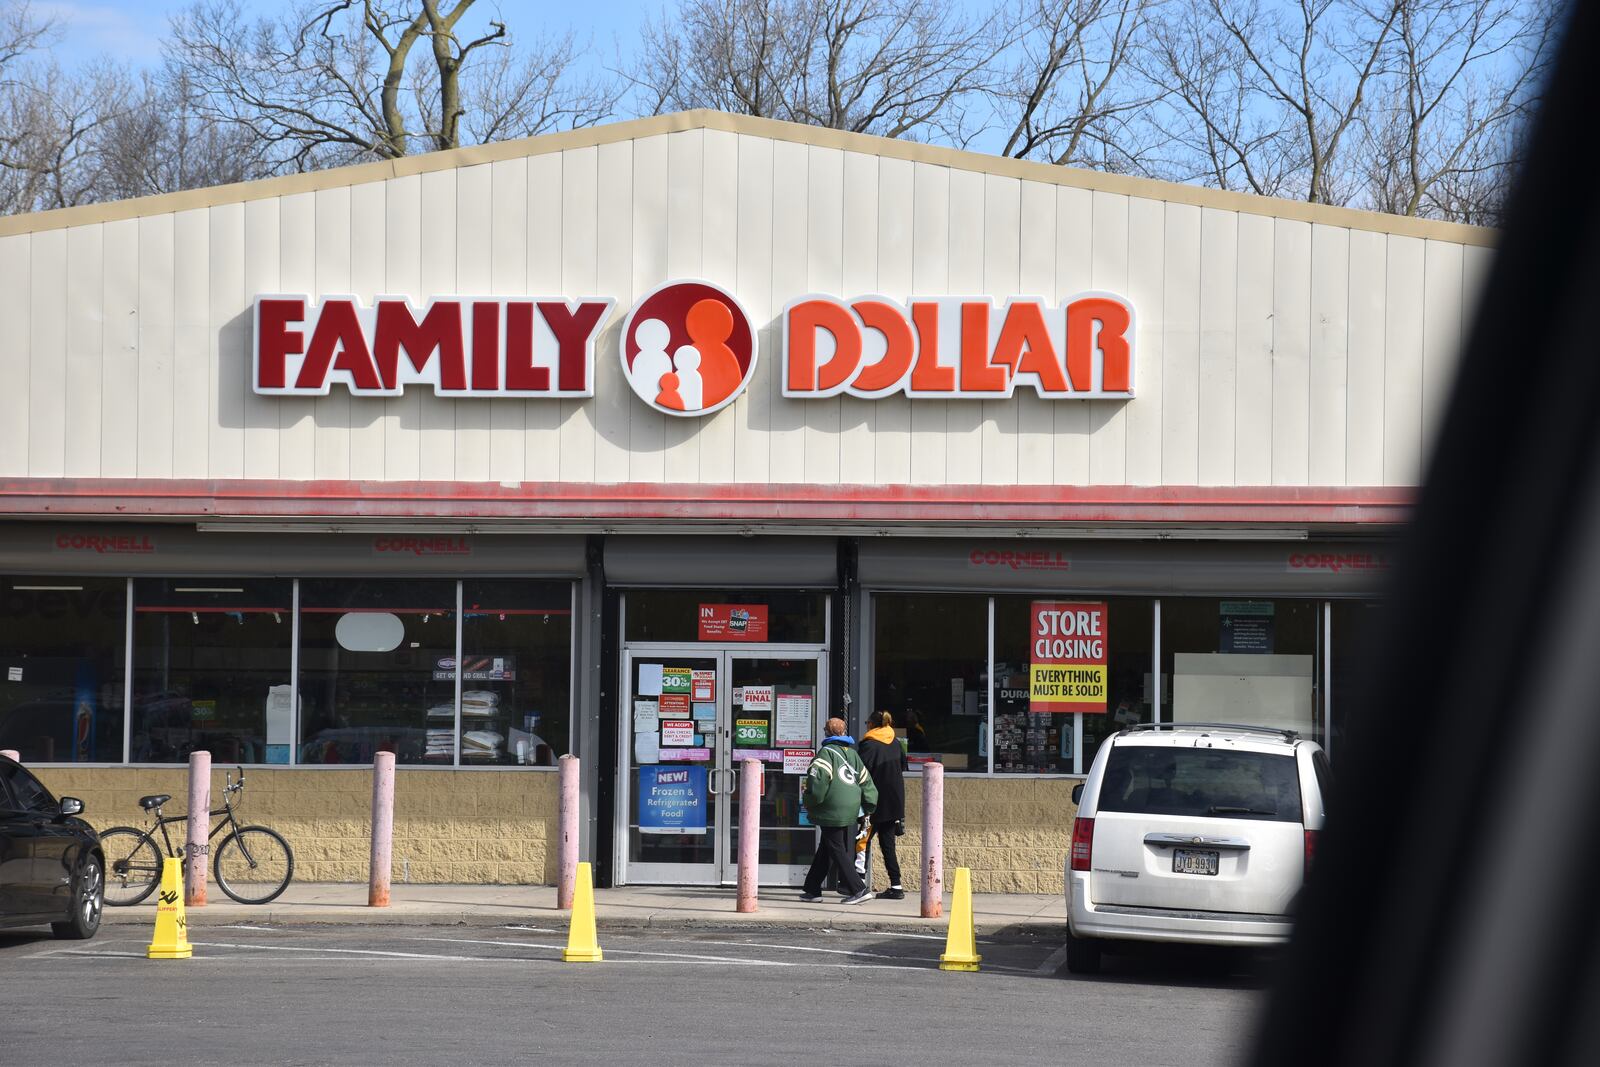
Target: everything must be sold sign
{"x":1068,"y":657}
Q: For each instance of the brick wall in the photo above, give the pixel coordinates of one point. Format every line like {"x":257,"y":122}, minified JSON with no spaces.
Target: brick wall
{"x":487,"y":827}
{"x":1012,"y":833}
{"x":499,"y":827}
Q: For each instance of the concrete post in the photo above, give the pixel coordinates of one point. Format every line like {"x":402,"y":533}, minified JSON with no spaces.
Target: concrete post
{"x":932,"y":840}
{"x":13,"y":753}
{"x":382,"y":830}
{"x":567,"y":855}
{"x":749,"y":833}
{"x":199,"y":837}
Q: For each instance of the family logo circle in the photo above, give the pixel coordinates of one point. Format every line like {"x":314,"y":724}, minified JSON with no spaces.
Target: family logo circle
{"x":688,"y":348}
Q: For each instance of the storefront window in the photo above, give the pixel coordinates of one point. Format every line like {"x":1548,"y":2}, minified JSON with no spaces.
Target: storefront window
{"x":516,"y":661}
{"x":690,"y":616}
{"x":1354,"y":631}
{"x":930,"y":671}
{"x":1253,"y":662}
{"x":211,"y":668}
{"x":377,"y":670}
{"x":1042,"y":742}
{"x":63,"y":648}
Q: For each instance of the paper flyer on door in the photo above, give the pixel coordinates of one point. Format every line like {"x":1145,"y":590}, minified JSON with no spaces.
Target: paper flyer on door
{"x":794,"y":720}
{"x":672,"y":800}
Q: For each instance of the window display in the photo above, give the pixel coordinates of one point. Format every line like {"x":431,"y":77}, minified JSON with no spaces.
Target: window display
{"x":930,"y":671}
{"x":516,"y":666}
{"x":63,"y":649}
{"x":211,"y":669}
{"x":1254,"y":661}
{"x":1090,"y":654}
{"x":377,"y":670}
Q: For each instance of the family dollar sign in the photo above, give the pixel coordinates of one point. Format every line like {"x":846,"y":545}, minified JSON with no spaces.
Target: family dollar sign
{"x":1068,"y":657}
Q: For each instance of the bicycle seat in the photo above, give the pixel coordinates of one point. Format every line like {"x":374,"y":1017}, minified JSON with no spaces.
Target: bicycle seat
{"x":152,"y":802}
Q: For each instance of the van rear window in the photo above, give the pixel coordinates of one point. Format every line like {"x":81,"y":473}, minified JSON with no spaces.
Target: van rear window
{"x":1204,"y":782}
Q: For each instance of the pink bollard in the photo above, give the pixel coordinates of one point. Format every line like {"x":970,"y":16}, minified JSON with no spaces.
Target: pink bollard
{"x":11,"y":752}
{"x":932,"y":840}
{"x":382,"y":830}
{"x":749,"y":833}
{"x":567,"y":852}
{"x":198,"y":846}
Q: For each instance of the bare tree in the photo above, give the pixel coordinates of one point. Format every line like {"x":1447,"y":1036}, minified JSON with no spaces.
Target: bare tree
{"x":1445,"y":136}
{"x":346,"y":80}
{"x":1066,"y":94}
{"x":1270,"y":93}
{"x":891,"y":67}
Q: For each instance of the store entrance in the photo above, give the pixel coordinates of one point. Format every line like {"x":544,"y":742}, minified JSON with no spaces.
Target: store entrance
{"x":690,"y":716}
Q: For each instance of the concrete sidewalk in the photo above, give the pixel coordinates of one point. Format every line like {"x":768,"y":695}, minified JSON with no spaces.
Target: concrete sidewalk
{"x":615,"y":909}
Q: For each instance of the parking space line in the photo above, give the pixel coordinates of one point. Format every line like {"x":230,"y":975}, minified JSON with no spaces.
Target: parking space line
{"x":1052,"y":963}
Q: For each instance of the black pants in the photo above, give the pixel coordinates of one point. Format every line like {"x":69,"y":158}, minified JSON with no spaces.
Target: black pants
{"x":883,"y":837}
{"x":837,"y":848}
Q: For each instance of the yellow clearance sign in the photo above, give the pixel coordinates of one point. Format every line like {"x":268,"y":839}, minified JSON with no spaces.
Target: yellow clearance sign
{"x":1068,"y":658}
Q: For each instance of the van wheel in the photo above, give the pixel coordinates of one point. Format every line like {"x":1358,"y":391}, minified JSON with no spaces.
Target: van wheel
{"x":1083,"y":955}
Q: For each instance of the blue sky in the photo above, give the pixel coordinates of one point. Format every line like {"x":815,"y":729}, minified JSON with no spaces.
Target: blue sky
{"x":132,"y":30}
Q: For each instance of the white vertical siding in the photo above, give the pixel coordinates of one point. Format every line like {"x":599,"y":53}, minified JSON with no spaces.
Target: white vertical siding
{"x":1269,"y":351}
{"x":47,"y":354}
{"x":85,"y":271}
{"x":14,"y":300}
{"x":1180,"y":348}
{"x":1217,"y":364}
{"x":192,"y":394}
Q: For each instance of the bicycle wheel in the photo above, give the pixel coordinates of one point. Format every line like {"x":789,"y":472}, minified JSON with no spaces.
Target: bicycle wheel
{"x":133,"y":865}
{"x":254,"y":864}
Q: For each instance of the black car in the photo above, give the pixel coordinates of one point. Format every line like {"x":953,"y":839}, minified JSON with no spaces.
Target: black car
{"x":52,"y":869}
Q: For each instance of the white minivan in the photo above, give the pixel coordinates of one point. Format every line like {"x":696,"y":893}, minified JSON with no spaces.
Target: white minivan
{"x":1192,"y":832}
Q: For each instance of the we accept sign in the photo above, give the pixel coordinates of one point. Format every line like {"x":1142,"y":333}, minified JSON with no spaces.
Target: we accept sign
{"x":688,"y":348}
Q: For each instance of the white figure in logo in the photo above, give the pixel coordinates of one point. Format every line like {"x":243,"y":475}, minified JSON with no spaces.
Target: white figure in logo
{"x":686,"y":361}
{"x":652,"y":361}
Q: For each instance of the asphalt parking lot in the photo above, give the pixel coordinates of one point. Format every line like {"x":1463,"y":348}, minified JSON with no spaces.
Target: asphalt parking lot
{"x":417,"y":995}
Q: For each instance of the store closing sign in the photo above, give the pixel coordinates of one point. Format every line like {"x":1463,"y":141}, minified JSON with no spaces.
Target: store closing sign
{"x":1068,"y":657}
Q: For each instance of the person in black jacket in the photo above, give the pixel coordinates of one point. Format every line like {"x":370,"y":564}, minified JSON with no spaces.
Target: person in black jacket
{"x":885,"y":759}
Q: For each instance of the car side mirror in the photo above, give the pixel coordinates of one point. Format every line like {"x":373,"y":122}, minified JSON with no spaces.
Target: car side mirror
{"x":1077,"y":793}
{"x":71,"y":806}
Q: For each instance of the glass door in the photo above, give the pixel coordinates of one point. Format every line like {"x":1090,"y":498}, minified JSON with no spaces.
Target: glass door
{"x":691,"y":717}
{"x":773,"y":701}
{"x":674,"y":773}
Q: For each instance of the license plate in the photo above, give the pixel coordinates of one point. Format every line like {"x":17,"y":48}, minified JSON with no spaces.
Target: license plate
{"x":1194,"y":861}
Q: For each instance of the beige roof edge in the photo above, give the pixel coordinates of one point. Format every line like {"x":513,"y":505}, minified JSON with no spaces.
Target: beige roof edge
{"x":1150,"y":188}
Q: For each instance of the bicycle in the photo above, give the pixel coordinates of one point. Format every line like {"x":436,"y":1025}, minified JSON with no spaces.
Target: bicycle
{"x":253,"y":864}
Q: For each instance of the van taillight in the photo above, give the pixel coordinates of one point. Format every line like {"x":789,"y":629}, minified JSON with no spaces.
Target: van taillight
{"x":1082,"y":843}
{"x":1311,"y":849}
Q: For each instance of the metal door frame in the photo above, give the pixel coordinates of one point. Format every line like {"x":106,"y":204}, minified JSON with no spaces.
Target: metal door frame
{"x":722,"y":776}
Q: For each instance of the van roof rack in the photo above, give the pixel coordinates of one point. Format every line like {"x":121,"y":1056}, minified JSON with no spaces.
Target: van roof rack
{"x":1287,"y":735}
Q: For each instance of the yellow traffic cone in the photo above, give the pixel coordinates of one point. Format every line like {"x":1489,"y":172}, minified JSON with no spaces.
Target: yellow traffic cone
{"x":172,"y":928}
{"x":961,"y":944}
{"x":582,"y":945}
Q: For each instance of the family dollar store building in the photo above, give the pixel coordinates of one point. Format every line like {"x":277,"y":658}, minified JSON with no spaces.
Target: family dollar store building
{"x":658,"y":443}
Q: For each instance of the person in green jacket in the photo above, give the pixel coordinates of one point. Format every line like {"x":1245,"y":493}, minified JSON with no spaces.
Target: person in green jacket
{"x":836,"y":791}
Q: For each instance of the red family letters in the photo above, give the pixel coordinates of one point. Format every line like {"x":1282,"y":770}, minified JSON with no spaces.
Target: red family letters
{"x":958,"y":348}
{"x":460,"y":346}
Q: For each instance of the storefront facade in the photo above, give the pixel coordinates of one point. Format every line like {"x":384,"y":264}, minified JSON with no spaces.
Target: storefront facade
{"x":592,"y":444}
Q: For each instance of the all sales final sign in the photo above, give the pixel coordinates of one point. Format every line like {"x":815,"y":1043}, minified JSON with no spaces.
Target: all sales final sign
{"x":1067,"y":668}
{"x":689,"y":348}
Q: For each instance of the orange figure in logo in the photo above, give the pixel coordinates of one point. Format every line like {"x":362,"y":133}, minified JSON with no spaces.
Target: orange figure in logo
{"x":668,"y":397}
{"x":710,"y":324}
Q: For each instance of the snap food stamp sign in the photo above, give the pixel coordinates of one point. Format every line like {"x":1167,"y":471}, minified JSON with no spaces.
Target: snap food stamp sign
{"x":1068,"y":658}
